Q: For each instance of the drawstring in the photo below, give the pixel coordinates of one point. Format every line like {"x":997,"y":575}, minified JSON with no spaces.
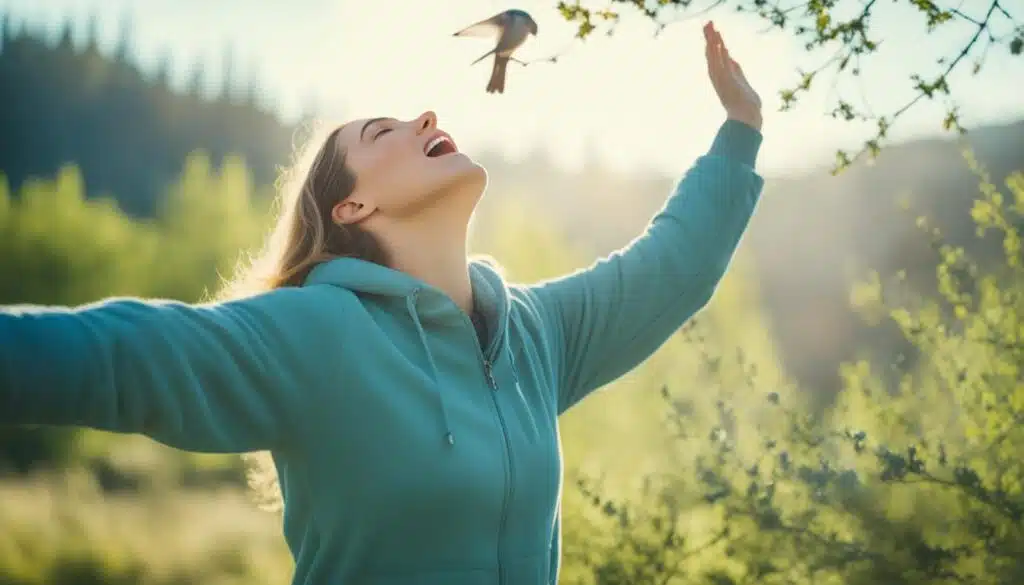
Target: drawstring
{"x":410,"y":303}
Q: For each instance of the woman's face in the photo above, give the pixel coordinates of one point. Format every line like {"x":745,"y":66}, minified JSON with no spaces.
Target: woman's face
{"x":403,"y":168}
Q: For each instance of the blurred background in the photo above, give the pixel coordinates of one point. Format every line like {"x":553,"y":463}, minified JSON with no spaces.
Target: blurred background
{"x":846,"y":410}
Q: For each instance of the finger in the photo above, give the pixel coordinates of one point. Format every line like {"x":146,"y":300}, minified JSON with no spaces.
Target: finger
{"x":718,"y":69}
{"x":714,"y":65}
{"x":709,"y":49}
{"x":711,"y":36}
{"x":719,"y":52}
{"x":723,"y":53}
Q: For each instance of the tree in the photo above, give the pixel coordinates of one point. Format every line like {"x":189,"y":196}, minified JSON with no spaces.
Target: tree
{"x":210,"y":218}
{"x":847,"y":32}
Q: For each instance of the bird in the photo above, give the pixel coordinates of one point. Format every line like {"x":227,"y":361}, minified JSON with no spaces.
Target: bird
{"x":512,"y":27}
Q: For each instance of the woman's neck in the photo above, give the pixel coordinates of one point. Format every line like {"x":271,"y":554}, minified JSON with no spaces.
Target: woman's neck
{"x":438,"y":258}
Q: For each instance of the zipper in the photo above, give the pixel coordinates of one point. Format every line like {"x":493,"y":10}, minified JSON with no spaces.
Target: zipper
{"x":508,"y":459}
{"x":490,"y":376}
{"x":493,"y":384}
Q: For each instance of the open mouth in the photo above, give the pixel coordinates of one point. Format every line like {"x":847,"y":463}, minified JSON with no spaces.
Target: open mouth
{"x":439,"y":146}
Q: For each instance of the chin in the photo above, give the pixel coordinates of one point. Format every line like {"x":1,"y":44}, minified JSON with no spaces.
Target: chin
{"x":464,"y":175}
{"x":456,"y":184}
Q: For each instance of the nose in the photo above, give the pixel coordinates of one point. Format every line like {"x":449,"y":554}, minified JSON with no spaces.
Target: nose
{"x":426,"y":121}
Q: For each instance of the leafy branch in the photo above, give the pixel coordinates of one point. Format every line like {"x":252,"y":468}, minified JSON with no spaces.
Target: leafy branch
{"x":847,"y":40}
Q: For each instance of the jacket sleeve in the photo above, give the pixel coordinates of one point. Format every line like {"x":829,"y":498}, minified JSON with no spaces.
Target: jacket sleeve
{"x":608,"y":318}
{"x":213,"y":378}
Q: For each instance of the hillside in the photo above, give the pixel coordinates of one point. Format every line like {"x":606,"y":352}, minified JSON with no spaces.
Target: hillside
{"x":816,"y":234}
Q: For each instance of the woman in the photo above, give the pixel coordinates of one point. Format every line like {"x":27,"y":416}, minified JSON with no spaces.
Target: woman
{"x":409,"y":397}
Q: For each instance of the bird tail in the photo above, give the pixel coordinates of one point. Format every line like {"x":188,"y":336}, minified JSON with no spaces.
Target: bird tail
{"x":497,"y":82}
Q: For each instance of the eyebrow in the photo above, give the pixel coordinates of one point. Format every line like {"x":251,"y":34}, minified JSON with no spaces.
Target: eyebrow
{"x":369,"y":123}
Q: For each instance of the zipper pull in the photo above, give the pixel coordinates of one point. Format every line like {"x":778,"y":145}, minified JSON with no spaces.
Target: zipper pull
{"x":490,"y":376}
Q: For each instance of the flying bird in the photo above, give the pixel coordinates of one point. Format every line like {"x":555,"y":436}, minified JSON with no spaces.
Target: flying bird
{"x":511,"y":28}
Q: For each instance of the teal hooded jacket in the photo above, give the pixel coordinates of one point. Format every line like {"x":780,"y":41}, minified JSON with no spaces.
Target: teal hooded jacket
{"x":407,"y":451}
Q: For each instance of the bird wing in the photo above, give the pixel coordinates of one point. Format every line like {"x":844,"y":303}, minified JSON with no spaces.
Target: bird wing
{"x":489,"y":27}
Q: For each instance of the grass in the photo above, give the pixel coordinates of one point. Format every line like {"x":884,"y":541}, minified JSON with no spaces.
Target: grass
{"x":63,"y":528}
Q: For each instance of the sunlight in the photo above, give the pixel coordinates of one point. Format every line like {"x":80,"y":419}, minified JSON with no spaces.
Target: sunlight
{"x":594,"y":92}
{"x":824,"y":404}
{"x":352,"y":58}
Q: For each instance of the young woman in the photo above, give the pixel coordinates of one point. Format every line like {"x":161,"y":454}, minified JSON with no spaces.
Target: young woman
{"x":409,"y":397}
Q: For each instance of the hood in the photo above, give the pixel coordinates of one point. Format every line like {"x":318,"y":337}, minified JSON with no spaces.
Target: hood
{"x":427,"y":304}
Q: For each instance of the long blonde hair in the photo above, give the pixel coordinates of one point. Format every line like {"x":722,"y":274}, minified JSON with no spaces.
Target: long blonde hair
{"x":303,"y":236}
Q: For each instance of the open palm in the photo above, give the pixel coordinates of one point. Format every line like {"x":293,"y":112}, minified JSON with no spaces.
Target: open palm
{"x":738,"y":98}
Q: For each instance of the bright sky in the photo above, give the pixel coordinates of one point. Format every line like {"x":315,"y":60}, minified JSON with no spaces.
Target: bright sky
{"x":636,"y":99}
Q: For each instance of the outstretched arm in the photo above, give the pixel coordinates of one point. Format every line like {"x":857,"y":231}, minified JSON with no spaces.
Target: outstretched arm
{"x":215,"y":378}
{"x":608,"y":318}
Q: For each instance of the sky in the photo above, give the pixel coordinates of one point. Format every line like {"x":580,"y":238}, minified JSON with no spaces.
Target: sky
{"x":633,"y":100}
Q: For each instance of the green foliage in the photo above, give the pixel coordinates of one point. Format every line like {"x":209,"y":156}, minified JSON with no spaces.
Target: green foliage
{"x":847,"y":31}
{"x":210,"y":220}
{"x":65,"y":249}
{"x":66,"y":530}
{"x":916,"y":482}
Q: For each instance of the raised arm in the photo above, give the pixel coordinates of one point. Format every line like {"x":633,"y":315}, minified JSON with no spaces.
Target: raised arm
{"x":214,"y":378}
{"x":608,"y":318}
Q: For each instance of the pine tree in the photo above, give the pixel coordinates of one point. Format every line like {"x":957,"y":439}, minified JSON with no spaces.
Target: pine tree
{"x":227,"y":75}
{"x":67,"y":41}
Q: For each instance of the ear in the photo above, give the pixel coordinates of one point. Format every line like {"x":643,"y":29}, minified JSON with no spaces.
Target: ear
{"x":349,"y":211}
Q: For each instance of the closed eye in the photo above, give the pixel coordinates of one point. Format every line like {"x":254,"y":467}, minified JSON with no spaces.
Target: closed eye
{"x":382,"y":132}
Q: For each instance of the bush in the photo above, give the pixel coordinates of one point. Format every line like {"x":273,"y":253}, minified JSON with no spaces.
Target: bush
{"x":917,"y":481}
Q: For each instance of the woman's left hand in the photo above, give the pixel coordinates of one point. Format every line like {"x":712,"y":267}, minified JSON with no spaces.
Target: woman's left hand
{"x":740,"y":101}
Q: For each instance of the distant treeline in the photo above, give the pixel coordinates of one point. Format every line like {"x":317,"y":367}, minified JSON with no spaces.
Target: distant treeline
{"x":129,"y":133}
